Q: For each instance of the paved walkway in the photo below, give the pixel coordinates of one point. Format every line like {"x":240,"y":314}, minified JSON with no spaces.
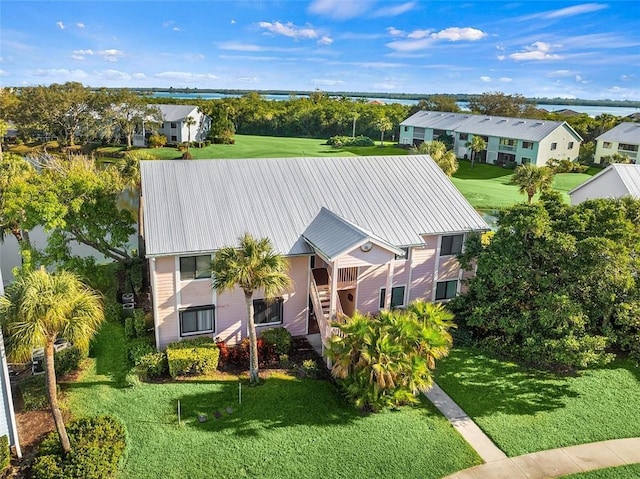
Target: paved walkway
{"x":537,"y":465}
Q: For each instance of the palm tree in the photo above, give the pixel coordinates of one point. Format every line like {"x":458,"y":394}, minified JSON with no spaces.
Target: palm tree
{"x":189,"y":122}
{"x":476,"y":145}
{"x":253,"y":265}
{"x":383,"y":124}
{"x":532,"y":179}
{"x":445,"y":159}
{"x":39,"y":308}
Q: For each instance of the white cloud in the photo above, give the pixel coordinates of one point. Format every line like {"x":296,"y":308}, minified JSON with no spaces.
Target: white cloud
{"x":456,"y":34}
{"x":252,"y":58}
{"x":420,"y":39}
{"x":393,"y":31}
{"x":248,"y":79}
{"x":506,"y":79}
{"x":566,"y":12}
{"x":176,"y":29}
{"x":233,"y":22}
{"x":627,"y":77}
{"x":60,"y":72}
{"x":325,"y":40}
{"x":110,"y":55}
{"x":359,"y":36}
{"x":80,"y":25}
{"x":139,"y":76}
{"x":78,"y":57}
{"x":501,"y":57}
{"x":289,"y":30}
{"x":3,"y":73}
{"x":193,"y":57}
{"x":581,"y":79}
{"x":325,"y":82}
{"x":114,"y":75}
{"x":340,"y":9}
{"x":60,"y":25}
{"x":249,"y":47}
{"x":185,"y":76}
{"x":535,"y":51}
{"x":560,"y":73}
{"x":485,"y":78}
{"x":168,"y":23}
{"x":394,"y":11}
{"x":419,"y":34}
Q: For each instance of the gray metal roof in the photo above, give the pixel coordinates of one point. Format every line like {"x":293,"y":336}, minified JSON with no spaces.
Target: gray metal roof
{"x":628,"y":174}
{"x":176,"y":112}
{"x":332,"y":236}
{"x":203,"y":205}
{"x":623,"y":133}
{"x":484,"y":125}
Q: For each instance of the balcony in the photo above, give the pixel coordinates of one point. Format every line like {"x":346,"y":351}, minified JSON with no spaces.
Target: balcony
{"x":502,"y":147}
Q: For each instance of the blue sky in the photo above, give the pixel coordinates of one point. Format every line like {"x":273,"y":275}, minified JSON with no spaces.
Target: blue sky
{"x":536,"y":48}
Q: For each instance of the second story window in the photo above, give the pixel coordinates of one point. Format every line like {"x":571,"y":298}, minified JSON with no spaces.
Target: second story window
{"x":451,"y":245}
{"x":195,"y":267}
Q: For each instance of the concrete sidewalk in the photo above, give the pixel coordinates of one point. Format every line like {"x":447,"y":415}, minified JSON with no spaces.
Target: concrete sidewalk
{"x":558,"y":462}
{"x":537,"y":465}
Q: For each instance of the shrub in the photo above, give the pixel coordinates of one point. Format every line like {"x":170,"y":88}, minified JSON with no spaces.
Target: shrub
{"x":97,"y":446}
{"x":157,"y":141}
{"x":5,"y":453}
{"x":138,"y":347}
{"x":510,"y":165}
{"x":279,"y":339}
{"x":68,"y":360}
{"x":224,"y":352}
{"x":136,"y":325}
{"x":239,"y":354}
{"x":566,"y":166}
{"x":283,"y":359}
{"x":309,"y":368}
{"x":113,"y":311}
{"x":342,"y":141}
{"x":152,"y":365}
{"x":187,"y":156}
{"x":34,"y":393}
{"x":192,"y":357}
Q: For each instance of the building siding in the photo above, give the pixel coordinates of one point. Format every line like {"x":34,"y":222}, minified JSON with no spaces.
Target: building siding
{"x":371,"y":279}
{"x":164,"y":278}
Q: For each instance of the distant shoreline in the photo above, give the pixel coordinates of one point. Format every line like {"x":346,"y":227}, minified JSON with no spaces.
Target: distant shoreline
{"x":462,"y":97}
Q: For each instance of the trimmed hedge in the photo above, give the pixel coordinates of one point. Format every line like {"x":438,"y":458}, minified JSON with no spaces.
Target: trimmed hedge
{"x":97,"y":445}
{"x":68,"y":360}
{"x":279,"y":339}
{"x":5,"y":453}
{"x":151,"y":366}
{"x":192,"y":357}
{"x":342,"y":141}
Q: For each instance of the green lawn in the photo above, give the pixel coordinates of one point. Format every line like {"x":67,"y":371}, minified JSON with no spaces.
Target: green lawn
{"x":248,"y":146}
{"x":621,"y":472}
{"x":525,"y":411}
{"x":285,"y":428}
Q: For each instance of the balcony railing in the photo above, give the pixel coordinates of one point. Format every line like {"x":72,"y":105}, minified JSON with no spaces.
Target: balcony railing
{"x":506,"y":147}
{"x":347,"y":277}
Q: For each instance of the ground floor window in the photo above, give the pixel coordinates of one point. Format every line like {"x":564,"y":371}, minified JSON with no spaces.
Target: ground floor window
{"x":446,"y":289}
{"x":268,"y":312}
{"x":397,"y":296}
{"x":197,"y":320}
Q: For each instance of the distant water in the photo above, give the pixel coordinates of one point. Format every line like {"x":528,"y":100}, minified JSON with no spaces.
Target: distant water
{"x":591,"y":110}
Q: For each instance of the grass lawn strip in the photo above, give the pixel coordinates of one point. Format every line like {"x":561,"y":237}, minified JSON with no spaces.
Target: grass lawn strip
{"x":620,"y":472}
{"x":285,"y":428}
{"x":525,"y":411}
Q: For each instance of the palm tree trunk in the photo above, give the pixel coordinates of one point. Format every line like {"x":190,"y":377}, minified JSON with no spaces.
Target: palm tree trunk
{"x":253,"y":340}
{"x":50,"y":373}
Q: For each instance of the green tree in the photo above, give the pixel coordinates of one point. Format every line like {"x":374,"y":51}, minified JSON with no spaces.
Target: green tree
{"x":436,"y":103}
{"x":445,"y":159}
{"x":501,"y":104}
{"x":253,"y":266}
{"x":383,"y":124}
{"x":386,"y":361}
{"x":531,"y":179}
{"x":129,"y":113}
{"x":476,"y":145}
{"x":40,"y":307}
{"x":189,"y":122}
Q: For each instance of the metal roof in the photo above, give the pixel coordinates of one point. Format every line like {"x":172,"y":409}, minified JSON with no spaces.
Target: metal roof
{"x":176,"y":112}
{"x":332,"y":236}
{"x":485,"y":125}
{"x":623,"y":133}
{"x":628,"y":174}
{"x":203,"y":205}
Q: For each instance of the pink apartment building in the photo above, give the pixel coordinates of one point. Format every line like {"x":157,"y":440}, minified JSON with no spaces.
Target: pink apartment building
{"x":360,"y":233}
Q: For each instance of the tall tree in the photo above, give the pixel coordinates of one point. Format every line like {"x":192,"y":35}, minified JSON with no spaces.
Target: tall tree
{"x":189,"y":122}
{"x":129,"y":113}
{"x":501,"y":104}
{"x":476,"y":145}
{"x":531,"y":179}
{"x":252,"y":266}
{"x":436,"y":103}
{"x":39,"y":308}
{"x":383,"y":124}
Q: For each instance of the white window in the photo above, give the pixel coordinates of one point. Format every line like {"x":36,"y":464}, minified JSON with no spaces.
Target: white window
{"x":528,"y":145}
{"x":446,"y":289}
{"x":195,"y":267}
{"x":197,"y":320}
{"x":397,"y":297}
{"x":403,"y":258}
{"x":451,"y":245}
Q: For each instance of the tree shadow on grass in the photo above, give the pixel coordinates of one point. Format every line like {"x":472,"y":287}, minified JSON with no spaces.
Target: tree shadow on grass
{"x":276,"y":403}
{"x":482,"y":386}
{"x":110,"y":352}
